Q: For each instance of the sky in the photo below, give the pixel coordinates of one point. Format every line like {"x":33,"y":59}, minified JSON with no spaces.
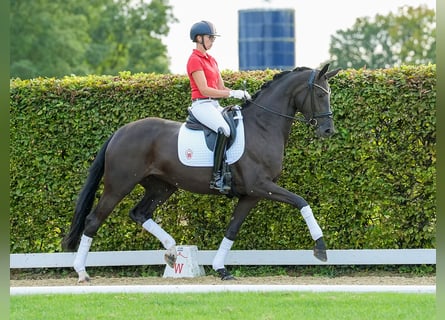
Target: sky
{"x":315,"y":22}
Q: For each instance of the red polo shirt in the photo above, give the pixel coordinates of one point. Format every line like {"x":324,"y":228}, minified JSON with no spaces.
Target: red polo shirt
{"x":205,"y":62}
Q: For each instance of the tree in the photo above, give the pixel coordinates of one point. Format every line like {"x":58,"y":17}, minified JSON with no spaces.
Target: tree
{"x":54,"y":38}
{"x":46,"y":39}
{"x":408,"y":37}
{"x":127,"y":36}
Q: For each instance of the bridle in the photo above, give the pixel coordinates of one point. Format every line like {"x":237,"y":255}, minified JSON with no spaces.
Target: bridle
{"x":313,"y":119}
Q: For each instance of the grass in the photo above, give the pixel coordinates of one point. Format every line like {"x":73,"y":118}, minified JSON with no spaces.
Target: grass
{"x":229,"y":305}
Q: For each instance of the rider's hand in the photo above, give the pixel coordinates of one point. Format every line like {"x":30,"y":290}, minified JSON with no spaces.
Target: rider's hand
{"x":239,"y":94}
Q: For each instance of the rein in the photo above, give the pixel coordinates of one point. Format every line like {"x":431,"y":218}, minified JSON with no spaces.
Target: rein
{"x":313,"y":120}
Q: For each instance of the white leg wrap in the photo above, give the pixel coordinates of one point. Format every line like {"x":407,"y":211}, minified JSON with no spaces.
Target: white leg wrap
{"x":221,"y":254}
{"x":156,"y":230}
{"x":82,"y":252}
{"x":312,"y":224}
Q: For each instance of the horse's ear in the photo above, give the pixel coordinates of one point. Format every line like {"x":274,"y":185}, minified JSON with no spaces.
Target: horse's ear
{"x":323,"y":71}
{"x":332,"y":73}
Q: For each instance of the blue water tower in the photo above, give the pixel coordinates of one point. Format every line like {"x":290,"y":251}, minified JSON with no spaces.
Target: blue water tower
{"x":266,"y":39}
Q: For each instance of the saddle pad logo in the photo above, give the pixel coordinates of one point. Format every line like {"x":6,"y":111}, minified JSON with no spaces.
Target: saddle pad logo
{"x":193,"y":151}
{"x":189,"y":154}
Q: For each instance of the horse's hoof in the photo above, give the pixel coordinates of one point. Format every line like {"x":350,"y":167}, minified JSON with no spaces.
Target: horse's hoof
{"x":320,"y":250}
{"x":170,"y":257}
{"x":83,"y":277}
{"x":224,"y":274}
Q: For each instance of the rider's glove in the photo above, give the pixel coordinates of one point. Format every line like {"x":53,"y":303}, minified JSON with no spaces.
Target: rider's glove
{"x":239,"y":94}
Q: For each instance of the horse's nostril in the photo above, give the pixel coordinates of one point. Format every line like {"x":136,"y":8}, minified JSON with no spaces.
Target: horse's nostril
{"x":329,"y":132}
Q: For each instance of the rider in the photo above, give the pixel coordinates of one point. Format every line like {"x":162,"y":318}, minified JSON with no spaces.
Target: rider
{"x":207,"y":86}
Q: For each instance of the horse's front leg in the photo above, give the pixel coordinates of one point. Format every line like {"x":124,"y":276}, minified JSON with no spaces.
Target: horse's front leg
{"x":242,"y":209}
{"x":272,"y":191}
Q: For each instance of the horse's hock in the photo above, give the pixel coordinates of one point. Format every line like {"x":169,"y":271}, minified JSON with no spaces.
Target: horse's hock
{"x":186,"y":265}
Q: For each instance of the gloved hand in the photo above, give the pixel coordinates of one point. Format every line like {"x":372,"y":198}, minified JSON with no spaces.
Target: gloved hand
{"x":239,"y":94}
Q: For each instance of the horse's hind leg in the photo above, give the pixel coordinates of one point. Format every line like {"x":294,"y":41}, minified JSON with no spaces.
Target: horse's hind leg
{"x":156,"y":193}
{"x":93,"y":221}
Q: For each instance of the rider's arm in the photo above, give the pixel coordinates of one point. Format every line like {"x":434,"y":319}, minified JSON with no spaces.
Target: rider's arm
{"x":201,"y":83}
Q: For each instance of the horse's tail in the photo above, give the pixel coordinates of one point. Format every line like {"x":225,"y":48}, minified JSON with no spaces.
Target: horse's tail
{"x":86,"y":200}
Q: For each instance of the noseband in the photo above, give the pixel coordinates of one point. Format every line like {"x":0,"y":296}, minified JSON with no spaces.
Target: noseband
{"x":313,"y":120}
{"x":311,"y":84}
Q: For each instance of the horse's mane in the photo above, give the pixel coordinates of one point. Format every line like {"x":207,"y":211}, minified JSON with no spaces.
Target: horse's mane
{"x":275,"y":77}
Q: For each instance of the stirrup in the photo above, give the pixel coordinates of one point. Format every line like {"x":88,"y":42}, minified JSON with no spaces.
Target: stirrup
{"x":217,"y":183}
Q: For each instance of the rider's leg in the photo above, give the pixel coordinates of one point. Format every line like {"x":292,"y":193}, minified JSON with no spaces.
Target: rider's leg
{"x":208,"y":112}
{"x":219,"y":151}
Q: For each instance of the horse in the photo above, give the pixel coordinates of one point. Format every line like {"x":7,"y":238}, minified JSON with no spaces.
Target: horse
{"x":144,"y":152}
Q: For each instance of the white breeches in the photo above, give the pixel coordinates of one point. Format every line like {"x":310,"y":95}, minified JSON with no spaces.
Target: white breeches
{"x":208,"y":112}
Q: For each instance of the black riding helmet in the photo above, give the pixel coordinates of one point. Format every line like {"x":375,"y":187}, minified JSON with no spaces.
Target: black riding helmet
{"x":202,"y":28}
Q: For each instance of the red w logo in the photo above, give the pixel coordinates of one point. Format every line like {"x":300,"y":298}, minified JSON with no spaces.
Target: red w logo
{"x":178,"y":267}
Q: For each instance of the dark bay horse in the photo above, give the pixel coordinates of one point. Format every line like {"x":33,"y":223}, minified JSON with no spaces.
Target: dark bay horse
{"x":145,"y":152}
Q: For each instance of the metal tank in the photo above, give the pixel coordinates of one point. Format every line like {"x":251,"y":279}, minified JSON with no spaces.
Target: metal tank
{"x":266,"y":39}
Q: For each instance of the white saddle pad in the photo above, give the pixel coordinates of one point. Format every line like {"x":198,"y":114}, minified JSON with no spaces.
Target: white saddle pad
{"x":193,"y":151}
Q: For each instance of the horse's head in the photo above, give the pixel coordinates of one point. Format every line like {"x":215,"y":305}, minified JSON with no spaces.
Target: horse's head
{"x":315,"y":104}
{"x":302,"y":90}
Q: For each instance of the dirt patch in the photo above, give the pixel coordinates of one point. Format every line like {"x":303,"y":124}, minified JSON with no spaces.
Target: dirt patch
{"x":213,"y":280}
{"x":149,"y":275}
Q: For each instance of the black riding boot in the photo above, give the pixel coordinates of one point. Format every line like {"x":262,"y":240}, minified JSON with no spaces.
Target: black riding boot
{"x":217,"y":181}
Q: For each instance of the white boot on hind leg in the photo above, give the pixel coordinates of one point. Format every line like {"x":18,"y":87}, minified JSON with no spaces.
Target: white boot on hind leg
{"x":81,"y":257}
{"x":167,"y":241}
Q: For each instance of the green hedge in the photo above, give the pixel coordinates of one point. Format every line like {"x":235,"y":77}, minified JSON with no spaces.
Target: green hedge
{"x":371,"y":186}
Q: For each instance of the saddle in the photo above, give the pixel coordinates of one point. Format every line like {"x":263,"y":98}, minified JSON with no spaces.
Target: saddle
{"x":228,"y":114}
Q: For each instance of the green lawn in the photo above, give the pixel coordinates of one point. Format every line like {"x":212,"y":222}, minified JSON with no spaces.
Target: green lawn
{"x":229,"y":305}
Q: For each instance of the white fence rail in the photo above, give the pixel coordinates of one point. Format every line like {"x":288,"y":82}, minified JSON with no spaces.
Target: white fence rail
{"x":235,"y":257}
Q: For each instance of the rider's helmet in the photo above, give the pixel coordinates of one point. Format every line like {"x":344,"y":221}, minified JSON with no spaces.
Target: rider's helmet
{"x":202,"y":28}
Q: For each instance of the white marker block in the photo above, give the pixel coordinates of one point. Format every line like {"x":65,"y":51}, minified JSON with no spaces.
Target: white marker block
{"x":186,"y":265}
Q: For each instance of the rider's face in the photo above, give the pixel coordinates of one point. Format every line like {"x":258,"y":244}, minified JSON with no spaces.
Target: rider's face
{"x":208,"y":41}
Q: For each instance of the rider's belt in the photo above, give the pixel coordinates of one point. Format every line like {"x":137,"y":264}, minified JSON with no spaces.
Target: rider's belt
{"x":201,"y":99}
